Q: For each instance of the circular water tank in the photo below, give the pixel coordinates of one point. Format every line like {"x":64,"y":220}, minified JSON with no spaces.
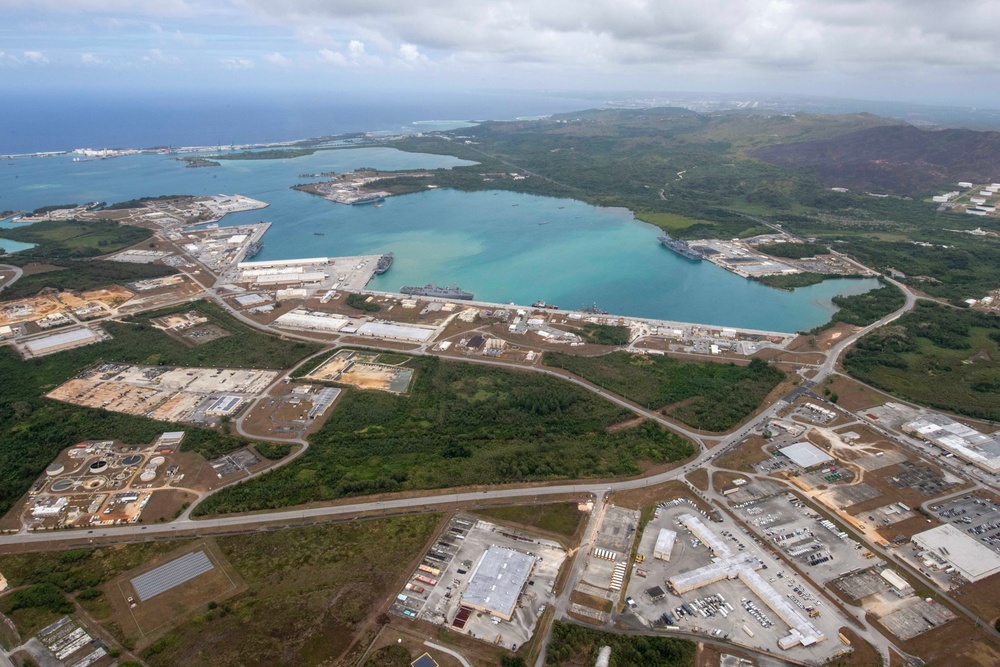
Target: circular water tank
{"x":157,"y":461}
{"x":98,"y":467}
{"x":55,"y":469}
{"x":147,"y":476}
{"x":131,"y":460}
{"x":61,"y":485}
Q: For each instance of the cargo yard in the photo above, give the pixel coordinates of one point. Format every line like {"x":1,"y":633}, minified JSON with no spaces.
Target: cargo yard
{"x":196,"y":395}
{"x":219,"y":248}
{"x":484,"y":580}
{"x":106,"y":483}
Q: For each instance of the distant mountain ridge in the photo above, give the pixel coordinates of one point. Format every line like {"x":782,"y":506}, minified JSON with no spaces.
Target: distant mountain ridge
{"x":894,"y":159}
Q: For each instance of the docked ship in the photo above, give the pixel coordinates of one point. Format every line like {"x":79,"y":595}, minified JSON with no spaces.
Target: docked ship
{"x":681,"y":248}
{"x":384,"y":262}
{"x":593,"y":310}
{"x":253,"y":249}
{"x":453,"y":292}
{"x":542,"y":304}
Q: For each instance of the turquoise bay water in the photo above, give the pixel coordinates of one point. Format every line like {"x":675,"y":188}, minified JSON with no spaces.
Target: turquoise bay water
{"x":502,"y":246}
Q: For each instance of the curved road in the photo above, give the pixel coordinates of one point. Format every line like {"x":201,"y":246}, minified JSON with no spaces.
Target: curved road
{"x":17,"y":274}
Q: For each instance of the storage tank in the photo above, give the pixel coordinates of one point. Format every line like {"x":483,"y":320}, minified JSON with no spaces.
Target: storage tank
{"x":55,"y":469}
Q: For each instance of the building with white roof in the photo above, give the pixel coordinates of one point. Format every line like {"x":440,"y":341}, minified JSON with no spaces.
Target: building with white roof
{"x":805,"y":455}
{"x":963,"y":441}
{"x":497,"y":581}
{"x":947,"y":544}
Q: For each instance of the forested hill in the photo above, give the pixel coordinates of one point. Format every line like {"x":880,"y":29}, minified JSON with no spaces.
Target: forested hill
{"x":894,"y":159}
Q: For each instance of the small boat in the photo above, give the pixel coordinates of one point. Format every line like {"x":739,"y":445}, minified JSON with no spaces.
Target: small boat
{"x":319,"y":233}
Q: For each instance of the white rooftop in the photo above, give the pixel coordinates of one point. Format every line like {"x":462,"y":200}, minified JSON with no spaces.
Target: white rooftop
{"x":497,"y":581}
{"x":805,"y":455}
{"x":972,"y":559}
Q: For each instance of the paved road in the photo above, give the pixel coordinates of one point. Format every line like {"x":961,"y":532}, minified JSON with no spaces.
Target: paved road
{"x":17,"y":274}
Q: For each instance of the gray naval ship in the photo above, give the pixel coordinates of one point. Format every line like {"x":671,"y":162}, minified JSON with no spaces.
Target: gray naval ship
{"x":453,"y":292}
{"x":681,"y":248}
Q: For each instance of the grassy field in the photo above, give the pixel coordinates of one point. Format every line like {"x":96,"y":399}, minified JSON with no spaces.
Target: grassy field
{"x":461,"y":425}
{"x":575,"y":646}
{"x":70,"y":244}
{"x":309,"y":590}
{"x":561,"y":518}
{"x":36,"y":428}
{"x":60,"y":577}
{"x":946,"y":358}
{"x":66,"y":239}
{"x":706,"y":395}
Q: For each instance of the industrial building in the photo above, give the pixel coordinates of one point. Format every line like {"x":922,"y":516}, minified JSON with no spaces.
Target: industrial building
{"x":391,"y":331}
{"x":961,"y":440}
{"x":664,"y":544}
{"x":224,"y":405}
{"x":65,"y":340}
{"x":743,"y":566}
{"x":805,"y":455}
{"x":280,"y":263}
{"x":947,"y":545}
{"x":171,"y":575}
{"x":311,"y":321}
{"x":497,"y":581}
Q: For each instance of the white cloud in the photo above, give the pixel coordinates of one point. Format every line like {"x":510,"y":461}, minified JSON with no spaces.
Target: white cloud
{"x":332,"y":57}
{"x":411,"y":54}
{"x":159,"y":57}
{"x":718,"y":35}
{"x":36,"y":57}
{"x":236,"y":63}
{"x":277,"y":59}
{"x":91,"y":59}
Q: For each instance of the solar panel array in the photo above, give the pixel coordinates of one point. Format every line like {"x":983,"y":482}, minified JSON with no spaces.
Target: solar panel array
{"x":170,"y":575}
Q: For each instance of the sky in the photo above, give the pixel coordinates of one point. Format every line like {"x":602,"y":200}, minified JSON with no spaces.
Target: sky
{"x":926,"y":51}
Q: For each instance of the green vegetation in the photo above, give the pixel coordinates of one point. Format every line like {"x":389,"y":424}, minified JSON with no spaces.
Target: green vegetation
{"x":70,"y":239}
{"x":705,"y":395}
{"x":273,"y":450}
{"x":576,"y":645}
{"x":692,"y":175}
{"x":603,"y":334}
{"x":82,"y":275}
{"x":68,"y":244}
{"x":462,"y":425}
{"x":861,"y":310}
{"x":52,"y":207}
{"x":792,"y":280}
{"x":359,"y":301}
{"x":393,"y":655}
{"x":561,"y":518}
{"x":794,"y":250}
{"x":36,"y":429}
{"x":271,"y":154}
{"x":943,"y":357}
{"x":310,"y":591}
{"x":142,"y":201}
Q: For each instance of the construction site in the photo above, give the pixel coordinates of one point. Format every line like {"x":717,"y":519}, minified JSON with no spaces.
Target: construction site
{"x":364,"y":371}
{"x":48,"y":311}
{"x":291,"y":411}
{"x":195,"y":395}
{"x":484,"y":580}
{"x":106,"y":483}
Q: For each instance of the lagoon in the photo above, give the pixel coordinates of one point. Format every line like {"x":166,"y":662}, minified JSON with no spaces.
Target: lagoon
{"x":502,"y":246}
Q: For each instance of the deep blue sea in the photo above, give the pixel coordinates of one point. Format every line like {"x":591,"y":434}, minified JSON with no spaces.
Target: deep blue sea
{"x":491,"y":243}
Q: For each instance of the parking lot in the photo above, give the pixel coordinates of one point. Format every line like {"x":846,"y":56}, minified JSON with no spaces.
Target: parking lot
{"x":814,"y":543}
{"x":435,"y":590}
{"x":726,"y":608}
{"x":978,"y":517}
